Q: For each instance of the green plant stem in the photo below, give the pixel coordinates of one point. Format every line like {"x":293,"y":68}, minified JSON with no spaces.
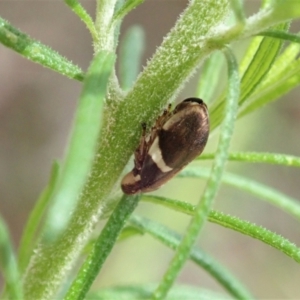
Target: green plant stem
{"x":29,"y":233}
{"x":163,"y":77}
{"x":202,"y":209}
{"x":104,"y":19}
{"x":119,"y":137}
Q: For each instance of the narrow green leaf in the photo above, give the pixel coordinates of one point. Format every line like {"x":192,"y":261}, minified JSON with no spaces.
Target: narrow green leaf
{"x":238,"y":9}
{"x":260,"y":65}
{"x":250,"y":53}
{"x":83,"y":16}
{"x":72,"y":177}
{"x":179,"y":206}
{"x":139,"y":292}
{"x":281,"y":67}
{"x":287,"y":36}
{"x":275,"y":197}
{"x":28,"y":239}
{"x":259,"y":157}
{"x":257,"y":68}
{"x":283,"y":76}
{"x":209,"y":77}
{"x":37,"y":52}
{"x":102,"y":247}
{"x":204,"y":205}
{"x":264,"y":235}
{"x":172,"y":240}
{"x":82,"y":146}
{"x":128,"y":232}
{"x":8,"y":265}
{"x":257,"y":232}
{"x":272,"y":92}
{"x":131,"y":52}
{"x":127,"y":7}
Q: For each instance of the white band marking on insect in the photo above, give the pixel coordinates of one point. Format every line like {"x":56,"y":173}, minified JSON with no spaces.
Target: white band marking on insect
{"x":156,"y":156}
{"x":137,"y":178}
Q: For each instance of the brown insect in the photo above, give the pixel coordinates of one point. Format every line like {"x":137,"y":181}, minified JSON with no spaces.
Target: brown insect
{"x":176,"y":139}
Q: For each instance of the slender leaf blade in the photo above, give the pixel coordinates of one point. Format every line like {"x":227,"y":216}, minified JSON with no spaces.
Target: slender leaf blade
{"x":82,"y":146}
{"x":8,"y":265}
{"x":37,"y":52}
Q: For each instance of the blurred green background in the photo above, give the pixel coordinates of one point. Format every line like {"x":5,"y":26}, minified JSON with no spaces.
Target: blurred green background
{"x":36,"y":111}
